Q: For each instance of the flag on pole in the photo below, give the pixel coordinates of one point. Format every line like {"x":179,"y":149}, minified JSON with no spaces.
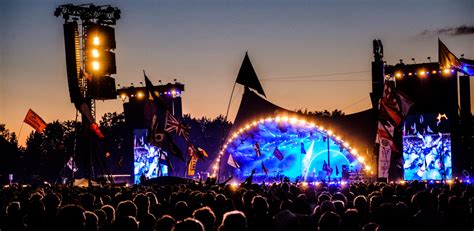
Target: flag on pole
{"x":248,"y":77}
{"x":173,"y":125}
{"x":172,"y":147}
{"x":447,"y":60}
{"x":157,"y":133}
{"x":192,"y":165}
{"x":232,"y":162}
{"x":278,"y":154}
{"x":302,"y":150}
{"x":256,"y":147}
{"x":264,"y":169}
{"x":194,"y":150}
{"x":35,"y":121}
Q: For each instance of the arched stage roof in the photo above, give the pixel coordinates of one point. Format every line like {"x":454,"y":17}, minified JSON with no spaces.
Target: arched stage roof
{"x":260,"y":121}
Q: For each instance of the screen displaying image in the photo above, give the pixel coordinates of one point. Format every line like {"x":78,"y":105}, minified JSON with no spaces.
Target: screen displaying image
{"x":427,"y":147}
{"x":147,"y":161}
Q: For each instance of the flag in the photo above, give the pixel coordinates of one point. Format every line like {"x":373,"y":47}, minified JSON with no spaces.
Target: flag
{"x":95,"y":128}
{"x":264,"y":169}
{"x":232,"y":162}
{"x":172,"y":147}
{"x":196,"y":151}
{"x":385,"y":129}
{"x":157,"y":134}
{"x":192,"y":165}
{"x":248,"y":77}
{"x":278,"y":154}
{"x":385,"y":152}
{"x":303,"y":151}
{"x":447,"y":60}
{"x":256,"y":147}
{"x":337,"y":170}
{"x":173,"y":125}
{"x":388,"y":106}
{"x":405,"y":103}
{"x":35,"y":121}
{"x":203,"y":152}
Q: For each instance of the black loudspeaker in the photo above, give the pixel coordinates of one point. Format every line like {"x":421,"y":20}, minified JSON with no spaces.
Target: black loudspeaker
{"x":72,"y":47}
{"x":102,"y":88}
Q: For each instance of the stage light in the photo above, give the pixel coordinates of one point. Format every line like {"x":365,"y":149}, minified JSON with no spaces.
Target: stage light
{"x":410,"y":74}
{"x":173,"y":92}
{"x":234,"y":185}
{"x":361,"y":159}
{"x":354,"y":151}
{"x":402,"y":182}
{"x":100,"y":40}
{"x":96,"y":40}
{"x":140,"y":95}
{"x":95,"y":66}
{"x":449,"y":181}
{"x":343,"y":182}
{"x":293,"y":120}
{"x":304,"y":184}
{"x":95,"y":53}
{"x":367,"y":168}
{"x":261,"y":121}
{"x":285,"y":119}
{"x":277,"y":119}
{"x":398,"y":74}
{"x":346,"y":144}
{"x":434,"y":72}
{"x":422,"y":73}
{"x":446,"y":71}
{"x":329,"y":132}
{"x":123,"y":96}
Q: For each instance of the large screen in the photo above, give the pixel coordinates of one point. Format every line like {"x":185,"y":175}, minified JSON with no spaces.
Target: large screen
{"x":147,"y":161}
{"x":427,"y":147}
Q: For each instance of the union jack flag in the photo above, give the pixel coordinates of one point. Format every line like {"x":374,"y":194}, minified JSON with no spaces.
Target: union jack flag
{"x":173,"y":125}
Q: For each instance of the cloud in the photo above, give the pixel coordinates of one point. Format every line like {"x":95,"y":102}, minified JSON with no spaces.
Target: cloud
{"x":450,"y":31}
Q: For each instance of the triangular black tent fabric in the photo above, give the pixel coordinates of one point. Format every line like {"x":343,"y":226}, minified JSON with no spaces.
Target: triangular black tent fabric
{"x":358,"y":129}
{"x":248,"y":77}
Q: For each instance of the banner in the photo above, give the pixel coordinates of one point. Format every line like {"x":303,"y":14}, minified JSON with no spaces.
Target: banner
{"x":35,"y":121}
{"x":385,"y":153}
{"x":192,"y":165}
{"x":232,"y":162}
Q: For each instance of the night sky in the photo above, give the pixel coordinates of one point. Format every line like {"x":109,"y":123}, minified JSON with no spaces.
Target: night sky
{"x":308,"y":54}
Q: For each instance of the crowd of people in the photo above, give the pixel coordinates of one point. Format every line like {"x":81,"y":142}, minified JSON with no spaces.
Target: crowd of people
{"x":277,"y":206}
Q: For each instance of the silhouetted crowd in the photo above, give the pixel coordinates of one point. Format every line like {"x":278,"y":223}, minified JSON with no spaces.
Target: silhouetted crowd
{"x":208,"y":207}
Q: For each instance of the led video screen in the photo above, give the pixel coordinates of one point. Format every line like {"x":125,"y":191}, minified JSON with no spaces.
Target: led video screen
{"x":427,"y":147}
{"x":147,"y":159}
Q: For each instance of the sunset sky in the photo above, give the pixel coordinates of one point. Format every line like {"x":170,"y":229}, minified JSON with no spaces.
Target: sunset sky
{"x":202,"y":44}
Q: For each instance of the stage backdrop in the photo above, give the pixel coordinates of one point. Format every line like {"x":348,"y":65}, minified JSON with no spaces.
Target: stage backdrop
{"x":427,"y":147}
{"x":283,"y":146}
